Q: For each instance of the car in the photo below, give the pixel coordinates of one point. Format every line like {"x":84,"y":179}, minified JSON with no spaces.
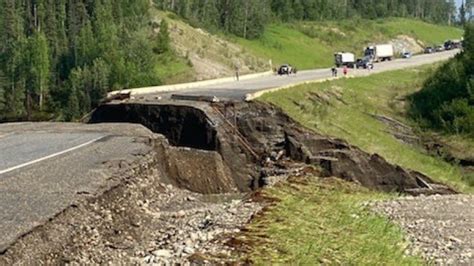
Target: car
{"x":439,"y":48}
{"x":429,"y":50}
{"x":286,"y":69}
{"x":364,"y":63}
{"x":407,"y":55}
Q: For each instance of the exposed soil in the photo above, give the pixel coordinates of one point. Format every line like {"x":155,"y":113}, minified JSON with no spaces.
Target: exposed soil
{"x":256,"y":140}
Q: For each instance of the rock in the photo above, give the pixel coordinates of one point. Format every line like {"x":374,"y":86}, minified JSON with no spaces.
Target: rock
{"x":180,"y":214}
{"x":193,"y":236}
{"x":148,"y":259}
{"x":188,"y":250}
{"x":162,"y":253}
{"x":455,"y":240}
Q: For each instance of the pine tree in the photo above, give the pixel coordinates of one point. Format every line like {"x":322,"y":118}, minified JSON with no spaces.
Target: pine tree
{"x":462,"y":14}
{"x":163,"y":38}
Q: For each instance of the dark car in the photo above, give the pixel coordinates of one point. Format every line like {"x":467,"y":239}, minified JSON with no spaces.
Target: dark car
{"x":286,"y":69}
{"x":429,"y":50}
{"x":364,"y":63}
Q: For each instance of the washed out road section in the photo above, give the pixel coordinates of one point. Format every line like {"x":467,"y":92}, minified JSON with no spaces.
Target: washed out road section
{"x":30,"y":196}
{"x":22,"y":150}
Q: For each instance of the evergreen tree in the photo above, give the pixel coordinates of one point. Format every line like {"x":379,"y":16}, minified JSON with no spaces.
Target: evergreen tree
{"x":462,"y":14}
{"x":163,"y":39}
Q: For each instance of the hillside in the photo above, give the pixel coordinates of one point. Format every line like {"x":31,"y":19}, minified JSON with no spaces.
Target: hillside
{"x":204,"y":55}
{"x":312,"y":44}
{"x":305,"y":44}
{"x":371,"y":113}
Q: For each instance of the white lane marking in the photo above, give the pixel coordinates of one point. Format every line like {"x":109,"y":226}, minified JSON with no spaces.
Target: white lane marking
{"x":49,"y":156}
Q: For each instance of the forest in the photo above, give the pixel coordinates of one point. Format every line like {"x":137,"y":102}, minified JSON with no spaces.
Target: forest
{"x":247,"y":19}
{"x":58,"y":58}
{"x":446,"y":102}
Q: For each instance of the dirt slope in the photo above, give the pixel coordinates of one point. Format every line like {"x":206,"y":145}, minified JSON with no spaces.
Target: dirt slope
{"x":210,"y":55}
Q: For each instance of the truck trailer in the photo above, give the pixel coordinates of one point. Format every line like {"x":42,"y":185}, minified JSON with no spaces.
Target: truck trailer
{"x":345,"y":59}
{"x":381,"y":52}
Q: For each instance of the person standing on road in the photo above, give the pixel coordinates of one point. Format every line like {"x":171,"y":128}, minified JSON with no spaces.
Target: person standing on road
{"x":345,"y":70}
{"x":334,"y":71}
{"x":237,"y":74}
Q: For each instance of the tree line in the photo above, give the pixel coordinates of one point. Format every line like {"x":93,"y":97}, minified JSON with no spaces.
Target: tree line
{"x":247,"y":18}
{"x":446,"y":102}
{"x":62,"y":56}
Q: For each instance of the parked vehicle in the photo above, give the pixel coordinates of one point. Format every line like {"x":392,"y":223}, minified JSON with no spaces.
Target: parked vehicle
{"x":286,"y":69}
{"x":453,"y":44}
{"x":439,"y":48}
{"x":345,"y":59}
{"x":407,"y":55}
{"x":381,"y":52}
{"x":429,"y":50}
{"x":364,"y":63}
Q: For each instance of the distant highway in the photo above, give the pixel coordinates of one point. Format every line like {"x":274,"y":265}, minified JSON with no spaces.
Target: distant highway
{"x":237,"y":90}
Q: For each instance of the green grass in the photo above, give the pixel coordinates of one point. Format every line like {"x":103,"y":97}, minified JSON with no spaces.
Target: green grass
{"x":312,"y":44}
{"x":347,"y":113}
{"x":282,"y":44}
{"x":173,"y":69}
{"x":324,"y":223}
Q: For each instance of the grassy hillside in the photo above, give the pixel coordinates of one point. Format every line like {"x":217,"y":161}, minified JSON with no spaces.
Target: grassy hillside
{"x":352,"y":109}
{"x":312,"y":44}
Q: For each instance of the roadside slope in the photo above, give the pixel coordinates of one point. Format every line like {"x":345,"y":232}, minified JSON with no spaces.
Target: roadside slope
{"x":312,"y":44}
{"x":369,"y":112}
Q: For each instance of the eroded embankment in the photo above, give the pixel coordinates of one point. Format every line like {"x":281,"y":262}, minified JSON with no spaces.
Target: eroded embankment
{"x":239,"y":146}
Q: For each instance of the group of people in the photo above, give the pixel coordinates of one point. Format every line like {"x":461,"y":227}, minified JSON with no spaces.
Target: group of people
{"x":345,"y":71}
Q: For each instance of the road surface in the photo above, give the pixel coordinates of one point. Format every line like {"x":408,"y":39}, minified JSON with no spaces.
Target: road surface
{"x":237,"y":90}
{"x":44,"y":168}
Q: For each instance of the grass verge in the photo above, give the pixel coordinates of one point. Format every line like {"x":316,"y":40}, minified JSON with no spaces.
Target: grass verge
{"x":346,"y":108}
{"x":324,"y":222}
{"x":312,"y":44}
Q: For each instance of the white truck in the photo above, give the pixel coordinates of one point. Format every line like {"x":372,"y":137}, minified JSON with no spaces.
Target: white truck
{"x":380,"y":52}
{"x":345,"y":59}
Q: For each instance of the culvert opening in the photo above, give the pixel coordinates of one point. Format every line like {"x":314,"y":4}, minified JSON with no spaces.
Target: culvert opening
{"x":183,"y":126}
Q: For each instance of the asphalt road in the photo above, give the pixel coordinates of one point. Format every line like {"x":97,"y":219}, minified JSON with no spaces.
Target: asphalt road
{"x":24,"y":149}
{"x":237,"y":90}
{"x":44,"y":168}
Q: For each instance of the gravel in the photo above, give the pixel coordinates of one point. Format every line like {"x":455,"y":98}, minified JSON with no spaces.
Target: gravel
{"x":440,"y":228}
{"x":195,"y":225}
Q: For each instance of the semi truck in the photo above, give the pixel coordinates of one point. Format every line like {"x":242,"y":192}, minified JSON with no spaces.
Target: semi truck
{"x":345,"y":59}
{"x":380,"y":52}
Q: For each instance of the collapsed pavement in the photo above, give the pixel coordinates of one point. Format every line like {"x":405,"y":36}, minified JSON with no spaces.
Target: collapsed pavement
{"x":248,"y":143}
